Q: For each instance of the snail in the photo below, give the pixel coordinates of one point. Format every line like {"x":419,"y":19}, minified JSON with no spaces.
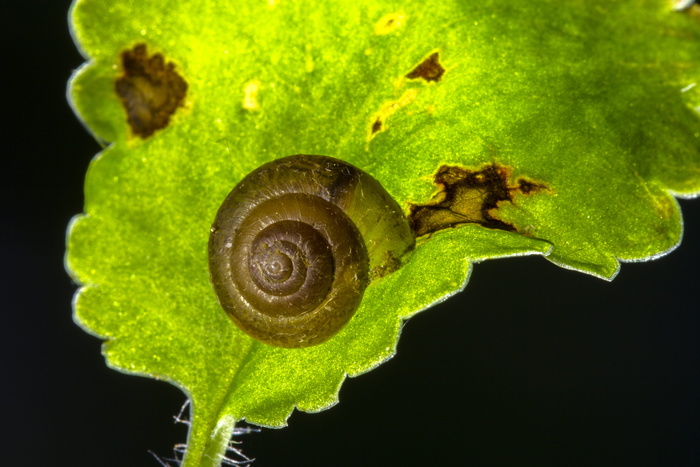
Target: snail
{"x":296,"y":242}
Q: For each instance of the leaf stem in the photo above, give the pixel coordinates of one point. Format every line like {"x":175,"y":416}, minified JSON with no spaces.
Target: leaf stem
{"x":214,"y":451}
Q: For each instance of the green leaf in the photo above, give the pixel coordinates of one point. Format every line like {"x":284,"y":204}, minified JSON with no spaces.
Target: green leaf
{"x":584,"y":112}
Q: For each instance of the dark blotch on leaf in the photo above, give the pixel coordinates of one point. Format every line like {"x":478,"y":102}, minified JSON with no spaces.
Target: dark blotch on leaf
{"x":526,"y":186}
{"x":429,"y":69}
{"x":150,"y":90}
{"x":468,"y":197}
{"x":377,"y":125}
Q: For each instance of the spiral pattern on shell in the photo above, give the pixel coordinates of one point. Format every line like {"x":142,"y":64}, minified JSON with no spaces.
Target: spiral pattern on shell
{"x":295,"y":244}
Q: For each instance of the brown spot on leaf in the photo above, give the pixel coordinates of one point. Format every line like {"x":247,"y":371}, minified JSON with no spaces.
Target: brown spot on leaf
{"x":389,"y":23}
{"x":469,"y":197}
{"x":387,"y":110}
{"x":150,"y":90}
{"x":429,"y":69}
{"x":526,"y":186}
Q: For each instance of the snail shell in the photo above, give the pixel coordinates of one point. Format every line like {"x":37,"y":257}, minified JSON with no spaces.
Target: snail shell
{"x":295,"y":244}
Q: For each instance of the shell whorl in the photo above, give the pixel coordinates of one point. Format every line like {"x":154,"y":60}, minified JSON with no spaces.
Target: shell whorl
{"x":295,"y":244}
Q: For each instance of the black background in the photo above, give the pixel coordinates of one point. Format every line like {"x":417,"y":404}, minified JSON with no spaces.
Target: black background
{"x":531,"y":365}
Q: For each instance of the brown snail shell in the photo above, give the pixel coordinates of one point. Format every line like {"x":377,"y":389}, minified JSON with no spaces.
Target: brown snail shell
{"x":295,"y":244}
